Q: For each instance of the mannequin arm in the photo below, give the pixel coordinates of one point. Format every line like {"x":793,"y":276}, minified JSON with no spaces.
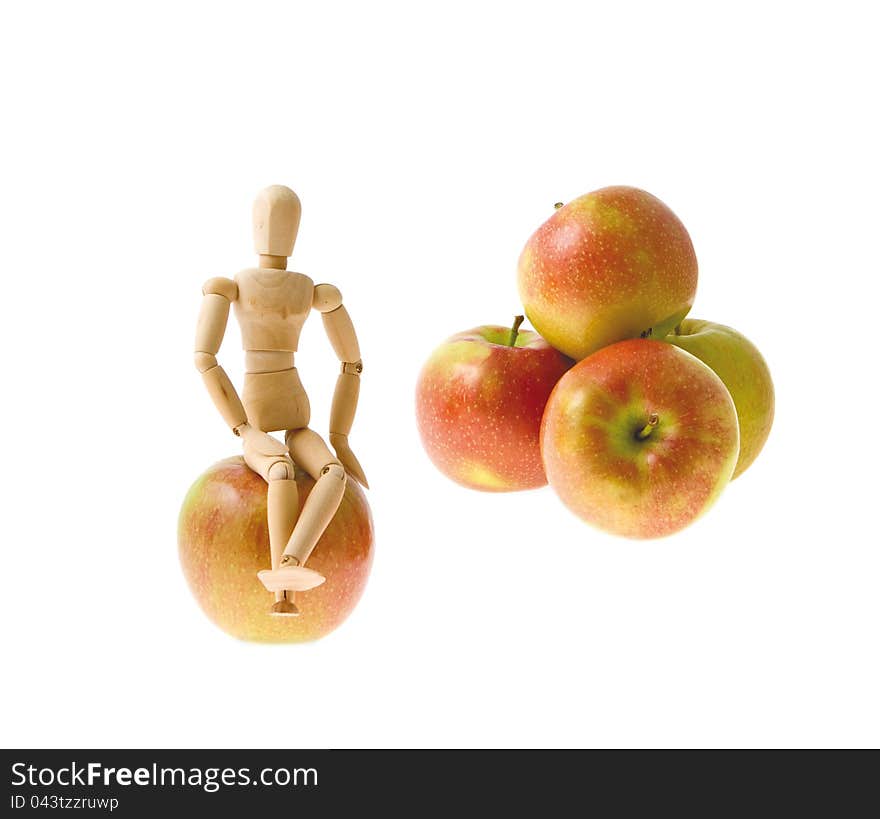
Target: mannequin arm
{"x":340,"y":331}
{"x":218,"y":293}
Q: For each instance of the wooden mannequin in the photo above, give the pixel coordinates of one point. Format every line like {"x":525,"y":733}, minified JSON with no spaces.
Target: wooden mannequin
{"x":271,"y":305}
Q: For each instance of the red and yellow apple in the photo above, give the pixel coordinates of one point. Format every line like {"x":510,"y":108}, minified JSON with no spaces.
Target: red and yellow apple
{"x":223,"y":541}
{"x":610,"y":265}
{"x":479,"y":402}
{"x":640,"y":438}
{"x":740,"y":365}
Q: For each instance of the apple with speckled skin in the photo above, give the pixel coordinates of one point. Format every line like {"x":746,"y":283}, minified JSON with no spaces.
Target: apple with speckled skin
{"x":479,"y":402}
{"x":610,"y":265}
{"x":223,"y":541}
{"x":640,"y":438}
{"x":740,"y":365}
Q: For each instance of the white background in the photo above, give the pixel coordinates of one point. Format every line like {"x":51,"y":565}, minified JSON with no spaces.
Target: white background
{"x":426,"y":144}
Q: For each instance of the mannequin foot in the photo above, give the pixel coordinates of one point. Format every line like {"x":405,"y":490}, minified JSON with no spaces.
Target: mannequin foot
{"x":290,"y":577}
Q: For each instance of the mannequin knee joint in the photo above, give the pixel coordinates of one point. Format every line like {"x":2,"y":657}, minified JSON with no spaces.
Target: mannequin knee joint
{"x":334,"y":470}
{"x":281,"y":471}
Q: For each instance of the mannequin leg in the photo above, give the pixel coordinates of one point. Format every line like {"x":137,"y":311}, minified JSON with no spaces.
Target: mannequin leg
{"x":308,"y":449}
{"x":282,"y":509}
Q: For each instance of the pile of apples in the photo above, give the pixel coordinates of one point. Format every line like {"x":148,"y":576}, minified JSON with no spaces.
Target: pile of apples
{"x":636,"y":415}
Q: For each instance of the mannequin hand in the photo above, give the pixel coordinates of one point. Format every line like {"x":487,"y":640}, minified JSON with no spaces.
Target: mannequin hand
{"x":347,"y":457}
{"x":260,"y":442}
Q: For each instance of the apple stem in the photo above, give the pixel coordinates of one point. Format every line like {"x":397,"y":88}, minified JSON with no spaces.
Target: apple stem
{"x":514,"y":331}
{"x":646,"y":430}
{"x":557,"y":205}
